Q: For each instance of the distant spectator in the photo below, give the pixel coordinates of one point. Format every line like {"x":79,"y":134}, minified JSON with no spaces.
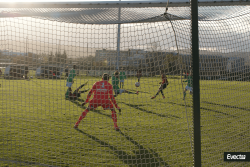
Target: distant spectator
{"x":26,"y":71}
{"x":58,"y":73}
{"x":67,"y":71}
{"x":0,"y":72}
{"x":139,"y":75}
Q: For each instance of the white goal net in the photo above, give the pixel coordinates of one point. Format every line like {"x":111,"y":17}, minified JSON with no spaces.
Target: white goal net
{"x":45,"y":48}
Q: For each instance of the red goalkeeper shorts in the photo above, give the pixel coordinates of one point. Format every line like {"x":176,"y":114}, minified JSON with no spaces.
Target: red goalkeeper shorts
{"x":106,"y":104}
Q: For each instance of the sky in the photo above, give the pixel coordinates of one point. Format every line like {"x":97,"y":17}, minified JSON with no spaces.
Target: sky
{"x":67,"y":0}
{"x":111,"y":0}
{"x":224,"y":36}
{"x":56,"y":0}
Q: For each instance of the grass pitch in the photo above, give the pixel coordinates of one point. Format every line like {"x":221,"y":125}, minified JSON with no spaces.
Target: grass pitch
{"x":37,"y":125}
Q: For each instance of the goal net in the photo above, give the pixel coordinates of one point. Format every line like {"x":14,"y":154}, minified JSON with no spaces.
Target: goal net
{"x":47,"y":46}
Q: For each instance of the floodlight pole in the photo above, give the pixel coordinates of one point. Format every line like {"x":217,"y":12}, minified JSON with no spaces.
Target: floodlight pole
{"x":118,"y":46}
{"x":26,"y":48}
{"x":196,"y":84}
{"x":118,"y":39}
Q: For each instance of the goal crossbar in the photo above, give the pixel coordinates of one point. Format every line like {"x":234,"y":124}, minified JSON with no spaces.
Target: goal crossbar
{"x":115,"y":4}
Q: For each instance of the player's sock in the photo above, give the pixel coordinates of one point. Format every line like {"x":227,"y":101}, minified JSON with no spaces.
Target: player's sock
{"x":184,"y":94}
{"x":83,"y":91}
{"x":114,"y":117}
{"x":131,"y":92}
{"x":81,"y":86}
{"x":84,"y":113}
{"x":162,"y":93}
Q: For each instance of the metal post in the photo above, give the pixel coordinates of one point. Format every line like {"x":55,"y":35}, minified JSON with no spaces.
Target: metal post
{"x":196,"y":86}
{"x":118,"y":39}
{"x":26,"y":50}
{"x":118,"y":47}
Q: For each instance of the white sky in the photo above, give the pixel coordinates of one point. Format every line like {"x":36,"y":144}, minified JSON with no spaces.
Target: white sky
{"x":175,"y":1}
{"x":223,"y":36}
{"x":76,"y":0}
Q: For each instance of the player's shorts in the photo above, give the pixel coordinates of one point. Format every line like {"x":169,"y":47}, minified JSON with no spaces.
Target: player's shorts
{"x":189,"y":88}
{"x":76,"y":94}
{"x":122,"y":80}
{"x":163,"y":86}
{"x":69,"y":84}
{"x":119,"y":91}
{"x":106,"y":104}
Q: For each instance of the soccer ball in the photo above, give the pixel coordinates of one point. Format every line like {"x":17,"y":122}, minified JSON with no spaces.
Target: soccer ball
{"x":31,"y":76}
{"x":137,"y":84}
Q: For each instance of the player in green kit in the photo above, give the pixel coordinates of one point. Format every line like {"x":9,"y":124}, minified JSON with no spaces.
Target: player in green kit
{"x":115,"y":83}
{"x":71,"y":76}
{"x":122,"y":78}
{"x":76,"y":94}
{"x":189,"y":85}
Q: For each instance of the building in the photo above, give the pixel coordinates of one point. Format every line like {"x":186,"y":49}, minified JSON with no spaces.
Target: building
{"x":213,"y":65}
{"x":128,"y":58}
{"x":235,"y":64}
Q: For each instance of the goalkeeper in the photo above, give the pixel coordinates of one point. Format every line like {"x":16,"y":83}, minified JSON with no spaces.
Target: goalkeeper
{"x":189,"y":85}
{"x":115,"y":83}
{"x":103,"y":96}
{"x":76,"y":94}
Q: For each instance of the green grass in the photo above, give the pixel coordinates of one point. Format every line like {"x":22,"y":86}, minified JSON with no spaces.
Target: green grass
{"x":37,"y":125}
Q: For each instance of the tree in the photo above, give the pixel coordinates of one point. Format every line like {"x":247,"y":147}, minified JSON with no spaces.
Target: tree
{"x":173,"y":63}
{"x":43,"y":57}
{"x":155,"y":46}
{"x":58,"y":57}
{"x":153,"y":61}
{"x":51,"y":57}
{"x":64,"y":57}
{"x":30,"y":57}
{"x":61,"y":58}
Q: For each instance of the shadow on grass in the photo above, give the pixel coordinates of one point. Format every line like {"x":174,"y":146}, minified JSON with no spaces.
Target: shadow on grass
{"x":216,"y":111}
{"x":147,"y":111}
{"x":79,"y":102}
{"x":132,"y":90}
{"x":154,"y":84}
{"x":142,"y":158}
{"x":228,"y":106}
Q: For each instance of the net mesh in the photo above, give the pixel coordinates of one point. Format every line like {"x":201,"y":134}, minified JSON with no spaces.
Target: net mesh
{"x":39,"y":48}
{"x":90,"y":16}
{"x":224,"y":86}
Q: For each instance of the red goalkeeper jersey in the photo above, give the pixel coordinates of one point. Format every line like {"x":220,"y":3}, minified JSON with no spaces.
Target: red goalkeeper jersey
{"x":102,"y":91}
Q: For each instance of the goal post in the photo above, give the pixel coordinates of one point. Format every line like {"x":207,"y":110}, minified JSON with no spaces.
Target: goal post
{"x":201,"y":112}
